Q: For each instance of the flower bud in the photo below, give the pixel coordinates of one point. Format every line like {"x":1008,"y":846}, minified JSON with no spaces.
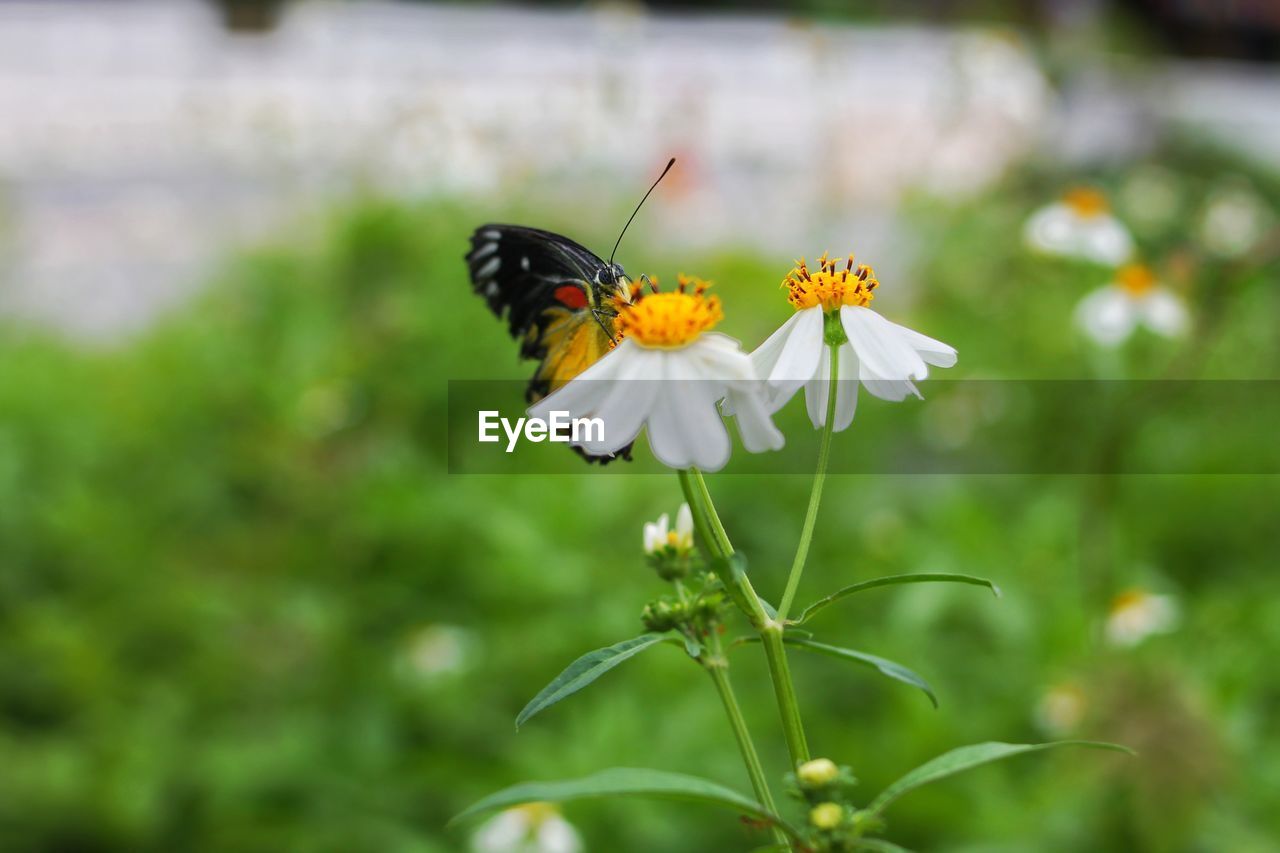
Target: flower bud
{"x":827,"y":815}
{"x":662,"y":615}
{"x":817,"y":773}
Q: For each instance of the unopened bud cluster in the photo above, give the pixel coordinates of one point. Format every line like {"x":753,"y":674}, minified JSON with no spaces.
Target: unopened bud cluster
{"x":834,"y":824}
{"x":670,"y":613}
{"x":694,"y":608}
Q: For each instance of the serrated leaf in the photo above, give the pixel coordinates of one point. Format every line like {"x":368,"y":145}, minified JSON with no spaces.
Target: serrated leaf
{"x":965,"y":757}
{"x":888,"y":668}
{"x":627,"y":782}
{"x":892,"y":580}
{"x":585,"y":670}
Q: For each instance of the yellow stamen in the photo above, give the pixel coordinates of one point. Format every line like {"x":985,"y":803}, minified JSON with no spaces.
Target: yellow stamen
{"x":1086,"y":201}
{"x":1136,"y":279}
{"x":831,"y":285}
{"x":667,"y":320}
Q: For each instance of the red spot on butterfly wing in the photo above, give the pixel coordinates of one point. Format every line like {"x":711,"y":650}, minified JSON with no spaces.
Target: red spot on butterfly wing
{"x":571,"y":296}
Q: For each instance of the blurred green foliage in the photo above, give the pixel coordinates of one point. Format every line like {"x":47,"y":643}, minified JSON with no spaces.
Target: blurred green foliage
{"x":244,"y":606}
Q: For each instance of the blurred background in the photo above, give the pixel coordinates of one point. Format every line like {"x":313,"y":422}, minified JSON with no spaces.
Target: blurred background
{"x":245,"y":606}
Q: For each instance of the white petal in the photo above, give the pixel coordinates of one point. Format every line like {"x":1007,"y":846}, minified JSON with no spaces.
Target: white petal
{"x":816,"y":390}
{"x":684,"y":522}
{"x":1106,"y":240}
{"x":765,"y":356}
{"x":502,"y":833}
{"x":1107,"y":315}
{"x":717,"y":356}
{"x":586,"y":389}
{"x":1163,"y":313}
{"x":557,"y":835}
{"x":883,"y":352}
{"x":893,"y":390}
{"x":1052,"y":229}
{"x":932,"y":351}
{"x":754,"y":416}
{"x":798,"y":359}
{"x":685,"y":428}
{"x":622,"y":402}
{"x":651,"y":541}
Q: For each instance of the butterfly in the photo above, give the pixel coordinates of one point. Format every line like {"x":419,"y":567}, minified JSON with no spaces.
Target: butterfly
{"x":557,"y":296}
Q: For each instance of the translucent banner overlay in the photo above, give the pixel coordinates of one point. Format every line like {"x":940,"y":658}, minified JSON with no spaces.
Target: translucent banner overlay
{"x":961,"y":427}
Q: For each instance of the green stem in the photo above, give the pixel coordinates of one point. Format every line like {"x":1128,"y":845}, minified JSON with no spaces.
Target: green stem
{"x":785,"y":692}
{"x":715,"y":540}
{"x":815,"y":493}
{"x":717,"y":666}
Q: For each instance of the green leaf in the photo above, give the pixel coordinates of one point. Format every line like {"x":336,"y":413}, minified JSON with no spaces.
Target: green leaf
{"x":585,"y":670}
{"x":891,"y":580}
{"x":896,"y":671}
{"x":627,"y":782}
{"x":964,"y":757}
{"x":880,"y":845}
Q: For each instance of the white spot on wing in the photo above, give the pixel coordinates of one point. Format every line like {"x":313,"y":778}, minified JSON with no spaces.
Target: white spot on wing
{"x":491,"y":289}
{"x":491,"y":234}
{"x":490,"y":267}
{"x":484,"y":251}
{"x":524,"y":264}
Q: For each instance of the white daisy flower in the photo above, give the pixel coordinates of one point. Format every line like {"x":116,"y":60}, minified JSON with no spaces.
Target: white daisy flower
{"x":1080,"y":225}
{"x":435,"y":653}
{"x":530,"y":828}
{"x":668,"y":373}
{"x":1110,"y":314}
{"x":1061,"y":709}
{"x":876,"y":353}
{"x":1137,"y":614}
{"x":659,"y":537}
{"x":1234,"y":220}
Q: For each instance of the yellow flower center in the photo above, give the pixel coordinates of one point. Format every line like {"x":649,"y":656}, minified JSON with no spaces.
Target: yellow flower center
{"x":830,"y":286}
{"x":1136,"y":279}
{"x":537,"y":813}
{"x":1086,"y":202}
{"x":1130,"y":599}
{"x":667,"y":320}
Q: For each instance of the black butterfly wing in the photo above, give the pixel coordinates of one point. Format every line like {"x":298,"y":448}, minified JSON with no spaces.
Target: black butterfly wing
{"x":518,"y":270}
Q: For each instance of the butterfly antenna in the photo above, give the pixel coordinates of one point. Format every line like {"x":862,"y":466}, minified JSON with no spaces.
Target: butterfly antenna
{"x":670,"y":163}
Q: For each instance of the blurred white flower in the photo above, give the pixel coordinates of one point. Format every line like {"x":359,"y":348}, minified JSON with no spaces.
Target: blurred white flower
{"x":1234,"y":220}
{"x":435,"y":651}
{"x":882,"y":356}
{"x":1080,"y":225}
{"x":1061,"y":709}
{"x":1137,"y":614}
{"x":530,"y":828}
{"x":659,"y":537}
{"x":1110,"y":314}
{"x":668,"y":373}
